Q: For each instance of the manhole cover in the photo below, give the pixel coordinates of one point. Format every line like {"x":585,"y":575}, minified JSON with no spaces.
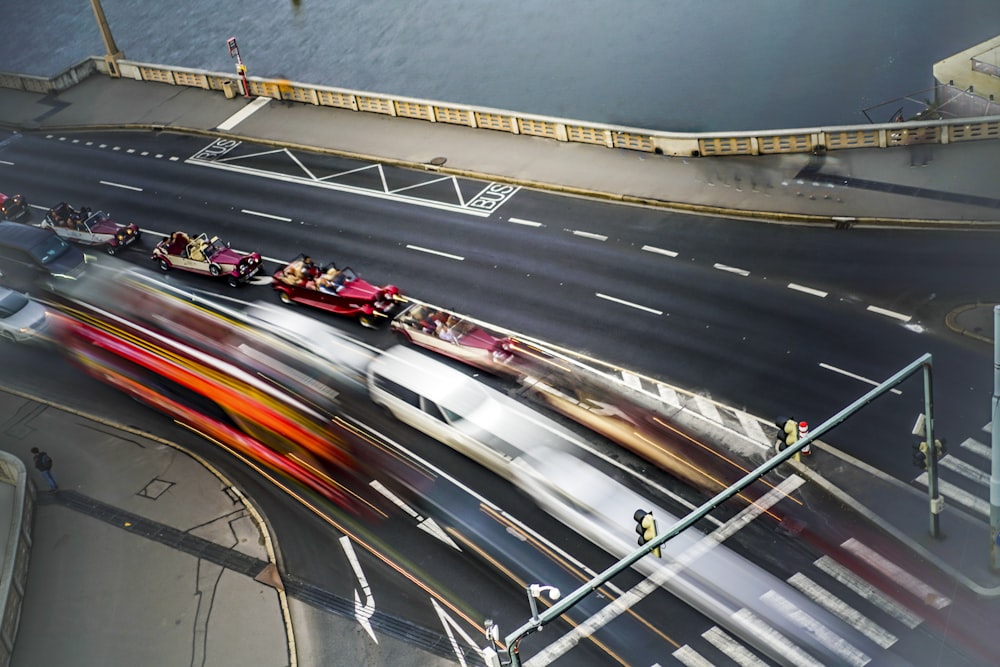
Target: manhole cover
{"x":438,"y":161}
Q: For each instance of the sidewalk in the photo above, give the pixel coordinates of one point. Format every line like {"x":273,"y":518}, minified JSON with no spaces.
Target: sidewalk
{"x":933,"y":184}
{"x":143,"y":556}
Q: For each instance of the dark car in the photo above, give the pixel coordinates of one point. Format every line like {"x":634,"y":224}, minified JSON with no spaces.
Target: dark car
{"x":13,"y":207}
{"x":29,"y":255}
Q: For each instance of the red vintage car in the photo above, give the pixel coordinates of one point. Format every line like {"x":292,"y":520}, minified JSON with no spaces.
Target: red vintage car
{"x":210,"y":257}
{"x":90,"y":228}
{"x":340,"y":291}
{"x":13,"y":207}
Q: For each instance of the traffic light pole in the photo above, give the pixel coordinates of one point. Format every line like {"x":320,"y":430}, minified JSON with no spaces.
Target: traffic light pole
{"x":536,"y":622}
{"x":935,"y":500}
{"x":995,"y":442}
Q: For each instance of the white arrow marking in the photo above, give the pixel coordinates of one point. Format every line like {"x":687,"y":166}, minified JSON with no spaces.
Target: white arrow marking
{"x":362,"y":612}
{"x":429,"y":525}
{"x":448,"y":622}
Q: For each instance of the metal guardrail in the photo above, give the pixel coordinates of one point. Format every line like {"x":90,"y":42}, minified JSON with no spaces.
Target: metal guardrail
{"x":798,"y":140}
{"x":18,"y":497}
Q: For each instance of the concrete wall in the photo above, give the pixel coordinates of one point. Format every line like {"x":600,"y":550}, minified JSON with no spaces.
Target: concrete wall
{"x":17,"y":509}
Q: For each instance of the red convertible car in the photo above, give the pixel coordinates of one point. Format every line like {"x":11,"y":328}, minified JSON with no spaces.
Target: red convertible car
{"x":87,"y":228}
{"x":13,"y":207}
{"x":210,"y":257}
{"x":340,"y":291}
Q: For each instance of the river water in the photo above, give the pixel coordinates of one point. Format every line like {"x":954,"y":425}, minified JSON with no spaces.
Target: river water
{"x":683,"y":65}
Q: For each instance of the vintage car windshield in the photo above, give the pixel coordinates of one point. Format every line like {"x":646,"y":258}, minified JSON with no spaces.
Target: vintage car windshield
{"x":12,"y":302}
{"x":216,"y":246}
{"x":49,"y":249}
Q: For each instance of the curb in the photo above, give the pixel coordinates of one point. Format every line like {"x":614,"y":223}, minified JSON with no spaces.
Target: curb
{"x":951,"y":321}
{"x":251,"y":509}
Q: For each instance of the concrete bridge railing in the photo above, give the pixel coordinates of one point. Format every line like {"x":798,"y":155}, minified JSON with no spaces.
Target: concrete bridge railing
{"x":800,"y":140}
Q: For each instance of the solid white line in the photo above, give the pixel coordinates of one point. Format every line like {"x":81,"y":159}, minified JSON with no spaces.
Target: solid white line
{"x":966,"y":470}
{"x":521,"y":221}
{"x":855,"y":377}
{"x":119,"y":185}
{"x":958,"y":494}
{"x":731,"y":269}
{"x":868,"y":592}
{"x":243,"y":114}
{"x":807,"y":290}
{"x":629,"y":303}
{"x":739,"y":654}
{"x":922,"y":590}
{"x":889,"y":313}
{"x":265,"y":215}
{"x":665,"y":573}
{"x":6,"y":162}
{"x":590,"y":235}
{"x":688,"y":657}
{"x":844,"y":611}
{"x":977,"y":447}
{"x":436,"y":252}
{"x":659,"y":251}
{"x":847,"y":652}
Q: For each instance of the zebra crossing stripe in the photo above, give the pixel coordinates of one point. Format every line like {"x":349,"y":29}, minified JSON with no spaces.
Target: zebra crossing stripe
{"x":689,"y":657}
{"x":921,"y":589}
{"x":966,"y":470}
{"x":777,"y":641}
{"x":849,"y":654}
{"x":631,"y":380}
{"x":977,"y":447}
{"x":668,"y":395}
{"x":868,"y":592}
{"x":958,"y":494}
{"x":732,"y":648}
{"x":844,"y":611}
{"x":708,"y":409}
{"x":753,"y":429}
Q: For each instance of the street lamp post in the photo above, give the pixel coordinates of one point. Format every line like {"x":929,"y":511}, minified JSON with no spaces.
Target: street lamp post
{"x":113,"y":52}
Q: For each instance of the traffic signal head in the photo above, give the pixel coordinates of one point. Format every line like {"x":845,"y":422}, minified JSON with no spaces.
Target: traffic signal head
{"x":645,"y":528}
{"x":920,"y":455}
{"x":791,"y":430}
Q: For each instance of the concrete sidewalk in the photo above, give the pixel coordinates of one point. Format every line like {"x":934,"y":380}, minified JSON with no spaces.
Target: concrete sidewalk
{"x":934,"y":184}
{"x":143,"y":556}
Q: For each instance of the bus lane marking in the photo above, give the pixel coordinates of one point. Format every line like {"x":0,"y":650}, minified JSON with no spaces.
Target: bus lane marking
{"x":362,"y":612}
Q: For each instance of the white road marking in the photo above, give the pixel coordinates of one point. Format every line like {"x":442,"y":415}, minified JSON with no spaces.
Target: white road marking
{"x":44,"y":208}
{"x":436,"y":252}
{"x":844,"y":611}
{"x":848,"y":653}
{"x":631,"y":380}
{"x":868,"y":592}
{"x":362,"y":613}
{"x":590,"y":235}
{"x":889,"y":313}
{"x":121,"y":185}
{"x":426,"y":524}
{"x":731,"y":269}
{"x":522,"y":221}
{"x":265,"y":215}
{"x":977,"y":447}
{"x":449,"y":624}
{"x":708,"y":409}
{"x":7,"y":162}
{"x":777,"y":641}
{"x":738,"y":653}
{"x":668,"y":395}
{"x":243,"y":114}
{"x":807,"y":290}
{"x":753,"y":429}
{"x":659,"y":251}
{"x":922,"y":590}
{"x":966,"y":470}
{"x":958,"y":494}
{"x":665,"y":573}
{"x":629,"y":303}
{"x":856,"y":377}
{"x":688,"y":657}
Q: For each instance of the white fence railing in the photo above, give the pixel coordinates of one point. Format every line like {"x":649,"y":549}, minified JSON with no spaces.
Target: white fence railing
{"x":800,"y":140}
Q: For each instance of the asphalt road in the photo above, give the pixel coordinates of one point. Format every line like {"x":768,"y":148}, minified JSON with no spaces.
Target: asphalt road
{"x":716,"y":316}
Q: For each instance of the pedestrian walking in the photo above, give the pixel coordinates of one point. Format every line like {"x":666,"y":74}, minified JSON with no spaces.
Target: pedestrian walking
{"x":44,"y":464}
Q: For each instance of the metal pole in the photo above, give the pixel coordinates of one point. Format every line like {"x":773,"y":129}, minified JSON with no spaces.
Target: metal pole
{"x":102,"y":23}
{"x":936,"y":502}
{"x":995,"y":442}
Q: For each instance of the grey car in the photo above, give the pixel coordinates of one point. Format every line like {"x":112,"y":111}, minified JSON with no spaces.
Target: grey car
{"x":22,"y":319}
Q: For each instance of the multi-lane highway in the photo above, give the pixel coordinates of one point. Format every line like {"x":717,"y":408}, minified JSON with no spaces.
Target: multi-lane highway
{"x":775,"y":319}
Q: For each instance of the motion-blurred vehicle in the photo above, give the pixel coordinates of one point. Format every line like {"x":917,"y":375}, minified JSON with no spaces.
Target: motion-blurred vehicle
{"x":209,"y":257}
{"x":90,"y":228}
{"x":29,"y":256}
{"x":22,"y":319}
{"x":454,"y":336}
{"x":13,"y":207}
{"x":341,"y":291}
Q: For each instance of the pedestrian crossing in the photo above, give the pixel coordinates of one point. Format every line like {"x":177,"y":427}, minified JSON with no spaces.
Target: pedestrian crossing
{"x":964,"y":475}
{"x":852,"y":622}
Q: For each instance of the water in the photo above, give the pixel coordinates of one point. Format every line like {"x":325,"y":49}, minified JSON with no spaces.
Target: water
{"x":683,"y":65}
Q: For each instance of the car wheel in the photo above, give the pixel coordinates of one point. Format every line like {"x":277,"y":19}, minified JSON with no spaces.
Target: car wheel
{"x":8,"y":336}
{"x":233,"y":281}
{"x":164,"y":265}
{"x":111,"y":250}
{"x":214,"y":269}
{"x":285,"y":298}
{"x":367,"y":321}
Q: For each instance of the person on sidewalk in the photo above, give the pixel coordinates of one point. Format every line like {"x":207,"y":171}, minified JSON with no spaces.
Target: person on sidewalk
{"x":44,"y":464}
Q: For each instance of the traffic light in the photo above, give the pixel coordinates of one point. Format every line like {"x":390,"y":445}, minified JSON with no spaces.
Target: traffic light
{"x":791,"y":430}
{"x":920,"y":455}
{"x":645,"y":528}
